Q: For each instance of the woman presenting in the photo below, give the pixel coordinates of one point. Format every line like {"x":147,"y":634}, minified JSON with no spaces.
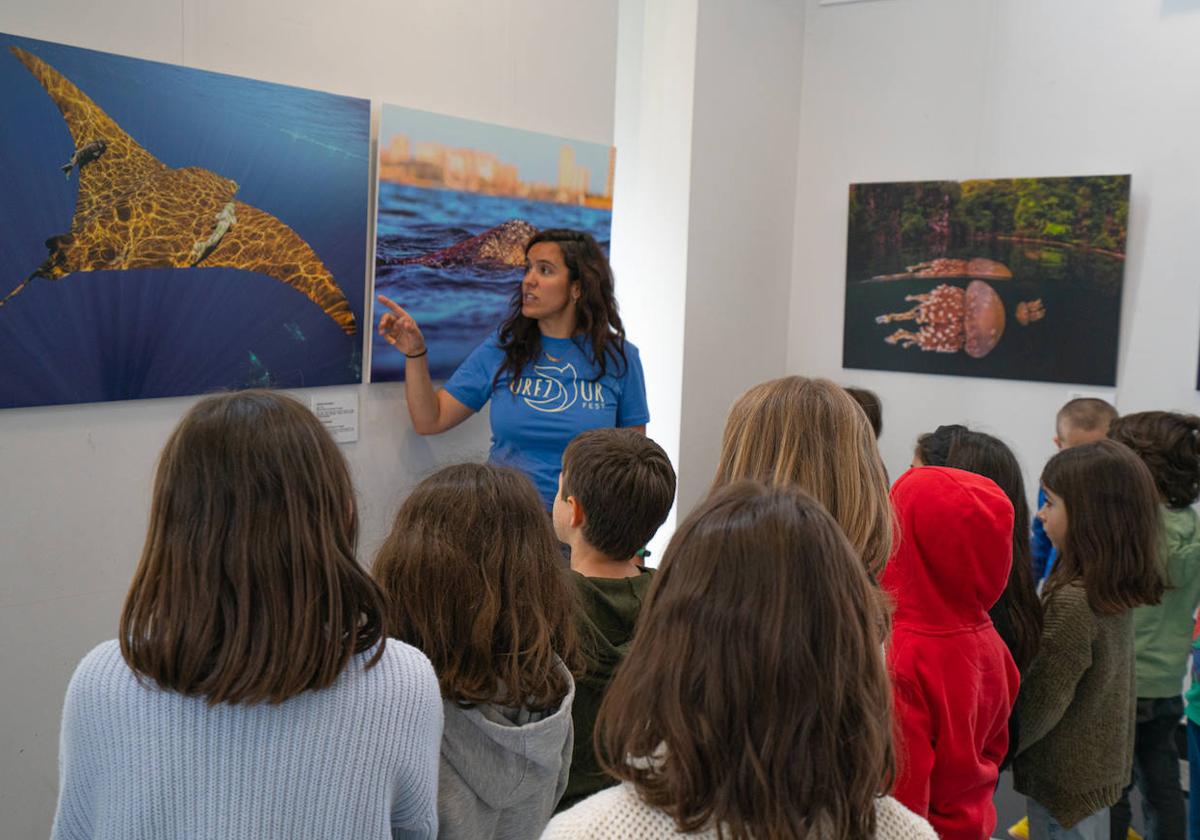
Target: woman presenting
{"x":558,"y":365}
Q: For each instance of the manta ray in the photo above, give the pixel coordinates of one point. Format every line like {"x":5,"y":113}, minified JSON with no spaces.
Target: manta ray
{"x":134,"y":211}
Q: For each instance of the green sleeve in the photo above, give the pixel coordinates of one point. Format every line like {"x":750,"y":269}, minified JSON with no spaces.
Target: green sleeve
{"x":1063,"y":658}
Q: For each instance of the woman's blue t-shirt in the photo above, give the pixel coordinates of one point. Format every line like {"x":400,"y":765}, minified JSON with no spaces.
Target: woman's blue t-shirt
{"x":554,"y":399}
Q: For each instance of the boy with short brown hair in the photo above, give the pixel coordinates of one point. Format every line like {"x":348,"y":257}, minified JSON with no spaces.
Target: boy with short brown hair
{"x":615,"y":490}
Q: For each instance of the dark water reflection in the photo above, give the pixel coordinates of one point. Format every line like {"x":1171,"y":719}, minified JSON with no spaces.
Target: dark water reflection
{"x":1076,"y":342}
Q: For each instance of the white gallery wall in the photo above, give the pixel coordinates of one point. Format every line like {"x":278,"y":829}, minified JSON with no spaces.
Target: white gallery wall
{"x":739,"y":125}
{"x":951,"y":89}
{"x":75,"y":480}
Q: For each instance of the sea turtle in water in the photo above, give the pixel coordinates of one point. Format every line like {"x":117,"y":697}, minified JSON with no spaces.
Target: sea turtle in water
{"x":134,"y":211}
{"x":954,"y":319}
{"x":502,"y":246}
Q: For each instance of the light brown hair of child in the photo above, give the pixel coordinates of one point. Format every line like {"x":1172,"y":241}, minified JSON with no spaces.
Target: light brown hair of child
{"x":1082,"y":420}
{"x":475,"y":580}
{"x":760,"y":641}
{"x":248,"y":589}
{"x":811,"y":434}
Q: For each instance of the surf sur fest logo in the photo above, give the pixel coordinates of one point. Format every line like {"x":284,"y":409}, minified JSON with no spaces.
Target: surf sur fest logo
{"x":555,"y":387}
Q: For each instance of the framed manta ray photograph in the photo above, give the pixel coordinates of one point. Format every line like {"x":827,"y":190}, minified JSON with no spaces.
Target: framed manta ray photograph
{"x":167,"y":231}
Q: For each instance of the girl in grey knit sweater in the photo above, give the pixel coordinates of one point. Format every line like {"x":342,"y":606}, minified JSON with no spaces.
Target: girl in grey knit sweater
{"x":1078,"y":698}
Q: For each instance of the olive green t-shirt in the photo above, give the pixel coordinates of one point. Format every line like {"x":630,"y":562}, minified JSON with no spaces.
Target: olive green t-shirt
{"x":605,"y":616}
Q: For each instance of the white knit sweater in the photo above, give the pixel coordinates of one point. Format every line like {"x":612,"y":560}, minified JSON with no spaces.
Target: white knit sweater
{"x":618,"y":814}
{"x":357,"y":759}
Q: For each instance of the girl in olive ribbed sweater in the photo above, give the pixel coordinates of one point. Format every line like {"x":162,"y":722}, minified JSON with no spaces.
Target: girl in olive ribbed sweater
{"x":1078,"y":699}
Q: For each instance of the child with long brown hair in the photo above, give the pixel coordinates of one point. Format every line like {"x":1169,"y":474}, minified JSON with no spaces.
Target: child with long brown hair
{"x":1166,"y":441}
{"x":475,"y":579}
{"x":1077,"y":700}
{"x":252,"y":692}
{"x":811,"y":434}
{"x":754,"y":702}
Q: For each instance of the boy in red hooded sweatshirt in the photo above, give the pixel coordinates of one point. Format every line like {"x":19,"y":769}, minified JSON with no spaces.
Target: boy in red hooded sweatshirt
{"x":953,"y":679}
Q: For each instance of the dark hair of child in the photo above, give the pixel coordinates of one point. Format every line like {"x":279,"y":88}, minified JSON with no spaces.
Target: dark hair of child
{"x":248,"y":589}
{"x":1169,"y":443}
{"x":625,"y":484}
{"x":475,"y":579}
{"x":1112,"y":526}
{"x":871,"y":405}
{"x":760,"y":641}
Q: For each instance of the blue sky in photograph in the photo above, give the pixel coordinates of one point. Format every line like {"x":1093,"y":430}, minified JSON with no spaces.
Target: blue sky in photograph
{"x":535,"y":155}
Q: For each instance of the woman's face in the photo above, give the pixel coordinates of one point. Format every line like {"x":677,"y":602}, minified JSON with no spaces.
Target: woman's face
{"x":1054,"y":518}
{"x":547,"y":290}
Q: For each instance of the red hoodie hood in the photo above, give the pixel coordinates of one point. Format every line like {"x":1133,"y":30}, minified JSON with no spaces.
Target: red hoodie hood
{"x":955,"y":549}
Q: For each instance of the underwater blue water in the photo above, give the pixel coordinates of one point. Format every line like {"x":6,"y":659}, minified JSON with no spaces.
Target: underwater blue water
{"x":301,"y":155}
{"x":455,"y":307}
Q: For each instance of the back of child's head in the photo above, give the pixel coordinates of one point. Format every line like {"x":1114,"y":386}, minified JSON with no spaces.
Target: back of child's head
{"x":871,"y":406}
{"x":1083,"y":420}
{"x":760,"y":641}
{"x":952,"y":561}
{"x":625,"y":484}
{"x":1169,"y":444}
{"x":1112,"y":522}
{"x":961,"y":448}
{"x":811,"y":434}
{"x":475,"y":580}
{"x":248,"y":589}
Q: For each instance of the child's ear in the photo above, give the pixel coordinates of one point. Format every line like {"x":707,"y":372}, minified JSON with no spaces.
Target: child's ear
{"x":1058,"y":444}
{"x":577,"y":514}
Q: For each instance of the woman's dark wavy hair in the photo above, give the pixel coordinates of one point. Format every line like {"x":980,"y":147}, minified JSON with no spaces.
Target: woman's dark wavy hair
{"x":596,"y":309}
{"x":754,"y":699}
{"x":959,"y":447}
{"x":1168,"y":444}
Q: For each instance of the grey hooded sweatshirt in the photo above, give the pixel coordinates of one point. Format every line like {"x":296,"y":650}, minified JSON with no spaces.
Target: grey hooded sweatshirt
{"x":502,"y":770}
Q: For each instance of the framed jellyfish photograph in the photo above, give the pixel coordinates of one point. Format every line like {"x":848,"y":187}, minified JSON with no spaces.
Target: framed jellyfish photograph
{"x":1009,"y":279}
{"x":166,"y":231}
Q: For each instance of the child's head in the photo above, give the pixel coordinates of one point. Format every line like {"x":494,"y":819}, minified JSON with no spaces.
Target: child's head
{"x":615,"y":489}
{"x":1082,"y":420}
{"x":760,"y":641}
{"x":811,"y":434}
{"x":1101,"y":513}
{"x":475,"y":580}
{"x":961,"y":448}
{"x":1168,"y":444}
{"x":954,"y":555}
{"x":248,"y":589}
{"x":871,"y":406}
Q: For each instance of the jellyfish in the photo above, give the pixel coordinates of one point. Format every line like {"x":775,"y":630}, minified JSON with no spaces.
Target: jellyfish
{"x":974,"y":268}
{"x":1029,"y":311}
{"x":952,"y":319}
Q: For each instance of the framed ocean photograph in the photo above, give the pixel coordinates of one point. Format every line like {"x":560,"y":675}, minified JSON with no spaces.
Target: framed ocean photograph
{"x":457,"y":202}
{"x":1010,"y":279}
{"x":166,"y":231}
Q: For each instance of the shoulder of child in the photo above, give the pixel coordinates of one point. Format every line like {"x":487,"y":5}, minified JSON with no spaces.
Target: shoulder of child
{"x":895,"y":822}
{"x":615,"y":813}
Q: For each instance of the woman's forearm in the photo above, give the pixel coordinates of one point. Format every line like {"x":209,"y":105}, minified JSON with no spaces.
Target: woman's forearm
{"x":422,"y":399}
